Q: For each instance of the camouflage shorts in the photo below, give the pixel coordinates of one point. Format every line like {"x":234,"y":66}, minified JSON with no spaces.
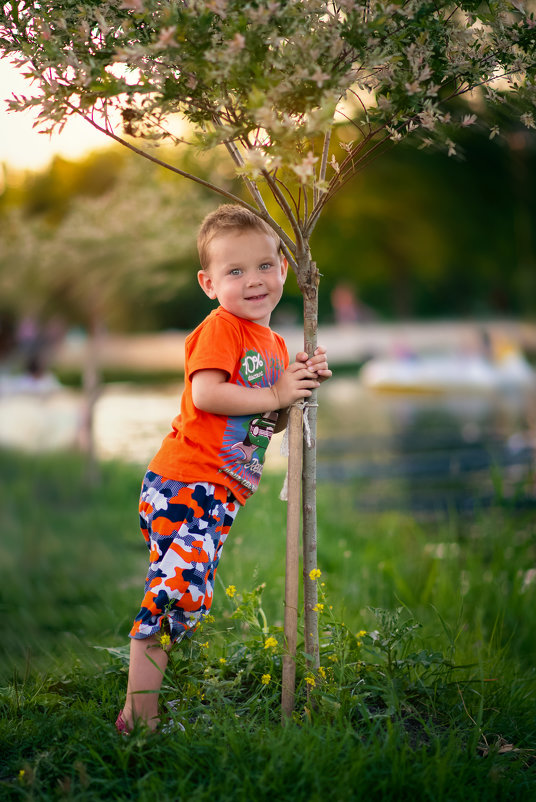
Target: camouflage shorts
{"x":185,"y":527}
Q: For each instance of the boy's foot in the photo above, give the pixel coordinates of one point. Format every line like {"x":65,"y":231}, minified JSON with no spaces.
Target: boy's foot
{"x":172,"y":726}
{"x":121,"y":725}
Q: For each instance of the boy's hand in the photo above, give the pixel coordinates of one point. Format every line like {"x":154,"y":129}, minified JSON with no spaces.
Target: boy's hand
{"x":301,"y":377}
{"x":318,"y":363}
{"x":294,"y":384}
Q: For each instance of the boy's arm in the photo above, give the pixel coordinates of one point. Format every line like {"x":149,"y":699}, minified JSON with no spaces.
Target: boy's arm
{"x":212,"y":392}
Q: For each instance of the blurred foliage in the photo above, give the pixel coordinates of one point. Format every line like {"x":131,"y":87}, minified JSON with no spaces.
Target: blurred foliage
{"x":103,"y":240}
{"x":415,"y":235}
{"x":422,"y":235}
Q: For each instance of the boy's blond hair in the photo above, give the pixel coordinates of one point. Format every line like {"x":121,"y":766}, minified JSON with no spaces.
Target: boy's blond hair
{"x":226,"y":218}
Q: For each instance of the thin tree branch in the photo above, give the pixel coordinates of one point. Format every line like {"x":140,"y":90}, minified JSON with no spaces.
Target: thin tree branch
{"x":289,"y":257}
{"x":336,"y":185}
{"x":325,"y":154}
{"x":280,"y":198}
{"x":220,"y":190}
{"x":323,"y":167}
{"x":361,"y":103}
{"x":262,"y":213}
{"x":236,"y":156}
{"x":289,"y":193}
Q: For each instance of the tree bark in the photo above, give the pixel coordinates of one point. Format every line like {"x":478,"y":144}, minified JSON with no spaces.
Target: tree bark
{"x":308,"y":279}
{"x":292,"y":561}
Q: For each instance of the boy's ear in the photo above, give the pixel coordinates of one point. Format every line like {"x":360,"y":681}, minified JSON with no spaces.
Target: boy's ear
{"x":205,"y":282}
{"x":284,"y":267}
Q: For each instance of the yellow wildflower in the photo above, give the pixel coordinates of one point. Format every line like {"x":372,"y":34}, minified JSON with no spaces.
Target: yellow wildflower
{"x":333,"y":658}
{"x":204,"y":645}
{"x":322,"y":672}
{"x":266,"y":679}
{"x":165,"y":640}
{"x":230,"y":591}
{"x":209,"y":619}
{"x":359,"y":635}
{"x":318,"y":608}
{"x":270,"y":643}
{"x":316,"y":573}
{"x":310,"y":681}
{"x":22,"y":774}
{"x":223,"y":660}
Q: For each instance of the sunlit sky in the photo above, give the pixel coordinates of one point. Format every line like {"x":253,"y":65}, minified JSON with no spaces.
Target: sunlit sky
{"x":21,"y":146}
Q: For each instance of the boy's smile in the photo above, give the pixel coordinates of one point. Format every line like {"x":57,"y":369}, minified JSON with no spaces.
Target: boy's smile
{"x":246,"y":273}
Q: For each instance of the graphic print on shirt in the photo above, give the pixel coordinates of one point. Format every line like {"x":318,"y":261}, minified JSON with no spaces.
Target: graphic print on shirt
{"x":246,"y":437}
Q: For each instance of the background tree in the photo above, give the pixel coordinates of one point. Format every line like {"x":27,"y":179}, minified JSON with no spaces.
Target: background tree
{"x":72,"y":251}
{"x":269,"y":80}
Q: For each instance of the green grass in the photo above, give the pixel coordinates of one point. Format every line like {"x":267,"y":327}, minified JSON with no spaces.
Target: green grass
{"x":437,"y":701}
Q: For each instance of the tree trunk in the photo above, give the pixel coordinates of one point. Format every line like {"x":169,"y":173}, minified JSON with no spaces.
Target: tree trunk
{"x":308,"y":279}
{"x":292,"y":561}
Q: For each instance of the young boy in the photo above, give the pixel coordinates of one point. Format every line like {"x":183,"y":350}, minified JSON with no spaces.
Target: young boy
{"x":238,"y":385}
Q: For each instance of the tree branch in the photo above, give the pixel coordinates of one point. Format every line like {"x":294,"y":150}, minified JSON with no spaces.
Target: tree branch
{"x":323,"y":165}
{"x":341,"y":181}
{"x":214,"y":187}
{"x":236,"y":156}
{"x":282,"y":201}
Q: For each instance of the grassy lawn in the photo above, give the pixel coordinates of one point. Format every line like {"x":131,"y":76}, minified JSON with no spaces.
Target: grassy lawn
{"x":427,"y":689}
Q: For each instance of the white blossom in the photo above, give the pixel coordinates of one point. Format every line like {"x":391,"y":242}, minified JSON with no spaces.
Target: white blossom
{"x":167,"y":37}
{"x":219,"y":7}
{"x":319,"y":77}
{"x":528,"y":120}
{"x":255,"y":162}
{"x":306,"y":167}
{"x":451,"y":147}
{"x":394,"y":134}
{"x":335,"y":164}
{"x":520,"y":5}
{"x":266,"y":117}
{"x":413,"y":88}
{"x":468,"y":119}
{"x":237,"y":43}
{"x":428,"y":119}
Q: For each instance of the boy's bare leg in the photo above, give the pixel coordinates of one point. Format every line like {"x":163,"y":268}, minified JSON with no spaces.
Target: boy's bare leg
{"x":148,"y":661}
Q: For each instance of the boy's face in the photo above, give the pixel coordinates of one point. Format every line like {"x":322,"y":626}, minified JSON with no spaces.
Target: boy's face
{"x":246,"y":273}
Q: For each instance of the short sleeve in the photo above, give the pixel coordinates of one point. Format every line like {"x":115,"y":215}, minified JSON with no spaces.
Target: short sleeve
{"x":213,"y":346}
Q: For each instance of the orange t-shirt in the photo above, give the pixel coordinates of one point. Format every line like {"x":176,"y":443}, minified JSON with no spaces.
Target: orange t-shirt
{"x":226,"y":450}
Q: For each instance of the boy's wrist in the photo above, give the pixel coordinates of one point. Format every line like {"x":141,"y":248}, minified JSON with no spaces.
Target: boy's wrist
{"x":275,"y":396}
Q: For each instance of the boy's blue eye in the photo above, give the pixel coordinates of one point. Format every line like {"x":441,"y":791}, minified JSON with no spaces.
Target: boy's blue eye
{"x":235,"y":271}
{"x":265,"y":266}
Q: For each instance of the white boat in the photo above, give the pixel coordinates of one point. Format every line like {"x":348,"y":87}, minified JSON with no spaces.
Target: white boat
{"x":448,"y":372}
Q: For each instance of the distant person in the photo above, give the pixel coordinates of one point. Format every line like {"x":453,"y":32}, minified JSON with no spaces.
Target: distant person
{"x":238,"y":386}
{"x":347,"y":308}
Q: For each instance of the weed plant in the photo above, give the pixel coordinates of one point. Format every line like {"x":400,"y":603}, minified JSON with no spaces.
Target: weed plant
{"x":426,"y":687}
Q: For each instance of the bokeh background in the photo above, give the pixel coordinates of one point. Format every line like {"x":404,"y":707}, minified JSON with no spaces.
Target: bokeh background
{"x":427,"y":308}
